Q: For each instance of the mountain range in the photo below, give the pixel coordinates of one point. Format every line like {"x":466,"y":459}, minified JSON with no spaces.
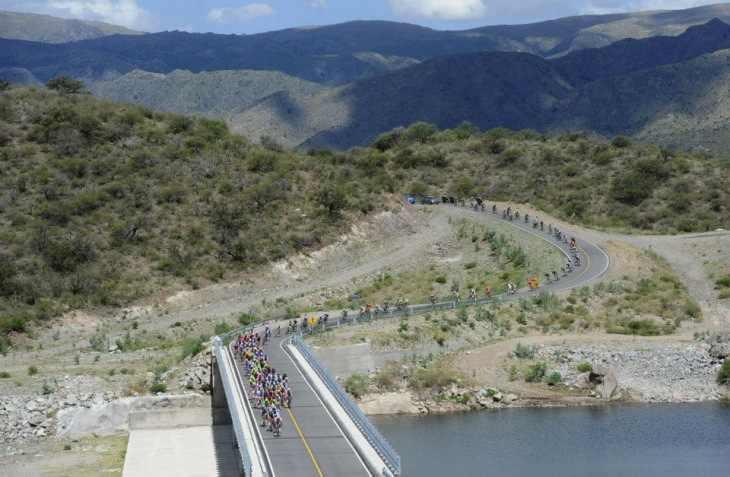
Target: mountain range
{"x":658,"y":76}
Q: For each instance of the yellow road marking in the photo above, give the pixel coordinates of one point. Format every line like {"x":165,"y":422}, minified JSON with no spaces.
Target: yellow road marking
{"x":314,"y":461}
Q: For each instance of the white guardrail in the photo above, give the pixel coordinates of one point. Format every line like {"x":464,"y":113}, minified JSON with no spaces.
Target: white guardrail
{"x":254,"y":459}
{"x":382,"y":447}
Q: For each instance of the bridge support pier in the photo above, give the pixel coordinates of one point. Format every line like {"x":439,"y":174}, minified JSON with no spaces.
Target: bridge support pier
{"x":219,"y":403}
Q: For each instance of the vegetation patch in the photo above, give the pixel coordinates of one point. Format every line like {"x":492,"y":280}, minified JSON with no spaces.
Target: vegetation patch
{"x":723,"y":376}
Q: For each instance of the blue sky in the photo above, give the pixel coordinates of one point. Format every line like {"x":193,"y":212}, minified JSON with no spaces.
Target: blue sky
{"x":255,"y":16}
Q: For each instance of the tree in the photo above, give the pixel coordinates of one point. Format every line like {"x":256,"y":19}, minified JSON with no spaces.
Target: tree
{"x":332,"y":198}
{"x":8,"y":271}
{"x":466,"y":129}
{"x":420,"y":131}
{"x":65,"y":85}
{"x":621,"y":141}
{"x":4,"y":84}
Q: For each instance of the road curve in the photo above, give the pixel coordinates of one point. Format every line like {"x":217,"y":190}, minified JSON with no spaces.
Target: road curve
{"x":312,"y":443}
{"x":595,"y":260}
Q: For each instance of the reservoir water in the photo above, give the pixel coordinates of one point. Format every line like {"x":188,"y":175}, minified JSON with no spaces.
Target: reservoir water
{"x":613,"y":440}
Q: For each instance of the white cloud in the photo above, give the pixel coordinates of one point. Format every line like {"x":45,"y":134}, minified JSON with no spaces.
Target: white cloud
{"x":240,"y":14}
{"x":449,"y":10}
{"x":120,"y":12}
{"x":317,"y":4}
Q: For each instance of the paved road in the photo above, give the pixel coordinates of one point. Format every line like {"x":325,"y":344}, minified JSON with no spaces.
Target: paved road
{"x":594,"y":260}
{"x":311,"y":442}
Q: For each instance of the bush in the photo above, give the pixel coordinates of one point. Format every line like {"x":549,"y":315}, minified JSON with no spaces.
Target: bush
{"x":554,"y":378}
{"x":356,"y":384}
{"x":536,"y":372}
{"x":192,"y":346}
{"x":723,"y":376}
{"x":433,"y":377}
{"x":636,"y":327}
{"x":13,"y":324}
{"x":524,"y":352}
{"x":222,"y":328}
{"x":32,"y":370}
{"x":584,"y":367}
{"x":4,"y":375}
{"x":99,"y":342}
{"x":158,"y":388}
{"x":440,"y":279}
{"x":245,"y":319}
{"x":47,"y":388}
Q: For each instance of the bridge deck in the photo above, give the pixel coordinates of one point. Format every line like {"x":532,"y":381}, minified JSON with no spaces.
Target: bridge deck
{"x":311,"y":442}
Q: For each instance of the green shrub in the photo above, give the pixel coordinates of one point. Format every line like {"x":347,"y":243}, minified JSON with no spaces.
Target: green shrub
{"x":192,"y":346}
{"x":32,"y":370}
{"x":245,"y":319}
{"x":547,"y":301}
{"x":440,"y":279}
{"x":47,"y":388}
{"x":524,"y":352}
{"x":554,"y":378}
{"x":636,"y":327}
{"x":99,"y":342}
{"x":4,"y":374}
{"x":433,"y":377}
{"x":222,"y":328}
{"x":536,"y":372}
{"x":158,"y":388}
{"x":13,"y":324}
{"x":723,"y":376}
{"x":356,"y":384}
{"x":584,"y":367}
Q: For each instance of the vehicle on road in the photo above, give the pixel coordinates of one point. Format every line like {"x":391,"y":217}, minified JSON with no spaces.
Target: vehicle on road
{"x":409,"y":198}
{"x":429,"y":200}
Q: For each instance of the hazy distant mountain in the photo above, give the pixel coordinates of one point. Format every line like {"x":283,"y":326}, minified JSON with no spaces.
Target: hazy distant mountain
{"x":607,"y":91}
{"x":48,"y":29}
{"x":335,"y":54}
{"x":220,"y":94}
{"x":341,"y":85}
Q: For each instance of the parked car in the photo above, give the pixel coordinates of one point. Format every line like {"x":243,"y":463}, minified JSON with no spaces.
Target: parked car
{"x":429,"y":200}
{"x":409,"y":198}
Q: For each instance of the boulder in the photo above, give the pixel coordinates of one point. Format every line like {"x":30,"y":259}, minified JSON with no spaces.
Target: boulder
{"x":719,"y":345}
{"x":603,"y":379}
{"x":36,"y":419}
{"x":509,"y":398}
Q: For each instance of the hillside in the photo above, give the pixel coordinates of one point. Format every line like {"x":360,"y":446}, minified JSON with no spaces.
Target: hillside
{"x":112,"y":203}
{"x":335,"y":54}
{"x":219,"y":94}
{"x":48,"y":29}
{"x":340,"y":86}
{"x":619,"y":89}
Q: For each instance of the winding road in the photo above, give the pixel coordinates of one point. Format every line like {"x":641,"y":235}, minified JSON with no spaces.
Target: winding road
{"x":312,"y":442}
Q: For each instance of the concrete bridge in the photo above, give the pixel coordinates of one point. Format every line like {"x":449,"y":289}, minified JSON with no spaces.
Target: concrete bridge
{"x":324,"y":431}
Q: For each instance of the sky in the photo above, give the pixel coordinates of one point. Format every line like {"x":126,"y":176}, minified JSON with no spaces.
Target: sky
{"x":256,"y":16}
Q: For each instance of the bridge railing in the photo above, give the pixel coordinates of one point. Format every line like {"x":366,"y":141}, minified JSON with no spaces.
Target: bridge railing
{"x":254,"y":460}
{"x":379,"y":443}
